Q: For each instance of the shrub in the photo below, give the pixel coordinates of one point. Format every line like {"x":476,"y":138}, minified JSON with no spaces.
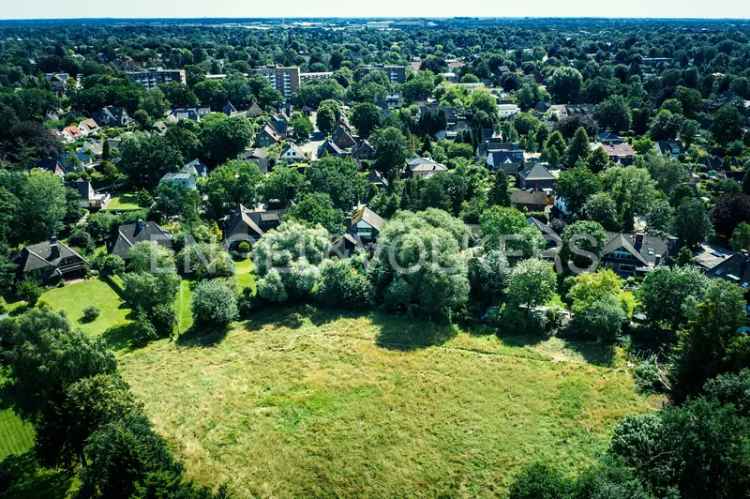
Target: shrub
{"x":81,"y":239}
{"x":602,"y":320}
{"x":29,"y":291}
{"x":214,"y":303}
{"x":205,"y":261}
{"x":143,"y":330}
{"x":343,"y":284}
{"x":109,"y":265}
{"x":540,"y":481}
{"x":90,"y":314}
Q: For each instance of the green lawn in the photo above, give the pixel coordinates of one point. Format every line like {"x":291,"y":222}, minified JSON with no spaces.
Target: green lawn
{"x":125,"y":202}
{"x":16,"y":436}
{"x":73,"y":298}
{"x":183,"y":306}
{"x":243,"y":274}
{"x":303,"y":403}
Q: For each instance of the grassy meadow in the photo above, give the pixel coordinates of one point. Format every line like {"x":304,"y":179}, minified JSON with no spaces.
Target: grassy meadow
{"x":305,"y":403}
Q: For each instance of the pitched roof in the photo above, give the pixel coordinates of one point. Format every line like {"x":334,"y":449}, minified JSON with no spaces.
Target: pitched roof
{"x":368,"y":216}
{"x":529,"y":198}
{"x":42,"y":255}
{"x":652,"y":247}
{"x":136,"y":232}
{"x":537,"y":173}
{"x":425,"y":165}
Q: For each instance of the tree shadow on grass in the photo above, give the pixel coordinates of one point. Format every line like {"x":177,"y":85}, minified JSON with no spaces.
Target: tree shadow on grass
{"x":202,"y":336}
{"x":409,"y":334}
{"x":598,"y":354}
{"x":24,"y":478}
{"x":295,"y":316}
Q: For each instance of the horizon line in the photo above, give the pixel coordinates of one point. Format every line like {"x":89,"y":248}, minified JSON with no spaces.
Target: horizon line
{"x":378,"y":17}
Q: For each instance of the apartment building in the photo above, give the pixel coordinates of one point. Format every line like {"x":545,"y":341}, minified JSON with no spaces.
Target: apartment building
{"x":152,"y":78}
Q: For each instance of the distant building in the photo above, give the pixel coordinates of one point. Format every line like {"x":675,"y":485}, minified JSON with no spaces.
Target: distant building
{"x":284,"y":79}
{"x":322,"y":75}
{"x":112,"y":116}
{"x":152,"y":78}
{"x":424,"y":167}
{"x":88,"y":197}
{"x":250,"y":225}
{"x":537,"y":177}
{"x":187,"y":176}
{"x":395,"y":73}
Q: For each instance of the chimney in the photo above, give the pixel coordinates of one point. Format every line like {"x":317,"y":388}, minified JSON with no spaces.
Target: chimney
{"x":54,"y":248}
{"x":139,"y":225}
{"x":638,"y":241}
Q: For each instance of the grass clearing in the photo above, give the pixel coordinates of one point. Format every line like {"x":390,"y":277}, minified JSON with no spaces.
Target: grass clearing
{"x":75,"y":297}
{"x":16,"y":435}
{"x":299,"y":402}
{"x":124,"y":202}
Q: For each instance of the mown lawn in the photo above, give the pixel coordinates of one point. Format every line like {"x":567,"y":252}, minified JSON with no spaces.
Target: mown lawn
{"x":16,"y":436}
{"x":75,"y":297}
{"x":305,"y":403}
{"x":125,"y":202}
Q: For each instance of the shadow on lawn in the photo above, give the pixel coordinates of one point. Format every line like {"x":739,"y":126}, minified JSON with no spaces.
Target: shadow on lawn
{"x":598,"y":354}
{"x":202,"y":336}
{"x":407,"y":334}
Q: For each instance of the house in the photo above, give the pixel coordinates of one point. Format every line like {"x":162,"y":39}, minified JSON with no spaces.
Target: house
{"x":58,"y":82}
{"x":343,"y":137}
{"x":363,"y":150}
{"x":52,"y":165}
{"x":88,"y":197}
{"x":250,"y":225}
{"x":71,"y":133}
{"x":636,"y":254}
{"x":507,"y":110}
{"x":537,"y":177}
{"x":495,"y":144}
{"x":50,"y":261}
{"x":112,"y":116}
{"x":229,"y":109}
{"x":669,"y":148}
{"x":709,"y":257}
{"x":131,"y":234}
{"x":377,"y":179}
{"x":734,"y":269}
{"x":259,"y":156}
{"x":424,"y":167}
{"x":362,"y":233}
{"x":88,"y":126}
{"x":365,"y":224}
{"x":329,"y":148}
{"x":511,"y":161}
{"x":255,"y":111}
{"x":292,"y":154}
{"x":609,"y":138}
{"x":187,"y":113}
{"x":187,"y":176}
{"x":267,"y":137}
{"x":280,"y":124}
{"x":531,"y":200}
{"x":622,"y":152}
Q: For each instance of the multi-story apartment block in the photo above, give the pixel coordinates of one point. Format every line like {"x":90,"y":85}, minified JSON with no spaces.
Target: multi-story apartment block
{"x":284,"y":79}
{"x":152,"y":78}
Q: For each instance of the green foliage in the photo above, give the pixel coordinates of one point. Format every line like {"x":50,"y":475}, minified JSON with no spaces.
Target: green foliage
{"x":420,"y":267}
{"x":366,"y":117}
{"x":340,"y":179}
{"x":146,"y":158}
{"x":42,"y":205}
{"x":531,"y":283}
{"x":390,"y":151}
{"x":506,"y":229}
{"x":317,"y":209}
{"x":575,"y":185}
{"x":705,"y":348}
{"x":614,"y":114}
{"x":582,"y":245}
{"x":214,"y":304}
{"x":565,"y":84}
{"x":281,"y":184}
{"x":144,"y":291}
{"x":667,"y":294}
{"x":344,"y":283}
{"x":29,"y":291}
{"x":148,"y":256}
{"x":205,"y":261}
{"x":223,"y":138}
{"x":231,"y":184}
{"x":692,"y":224}
{"x":540,"y":481}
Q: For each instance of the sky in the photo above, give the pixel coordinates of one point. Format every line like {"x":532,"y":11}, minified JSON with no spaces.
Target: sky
{"x":32,"y":9}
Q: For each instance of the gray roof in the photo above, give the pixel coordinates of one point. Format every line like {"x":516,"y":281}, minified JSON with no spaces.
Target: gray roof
{"x":42,"y":256}
{"x":652,"y":248}
{"x":537,"y":172}
{"x":130,"y":234}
